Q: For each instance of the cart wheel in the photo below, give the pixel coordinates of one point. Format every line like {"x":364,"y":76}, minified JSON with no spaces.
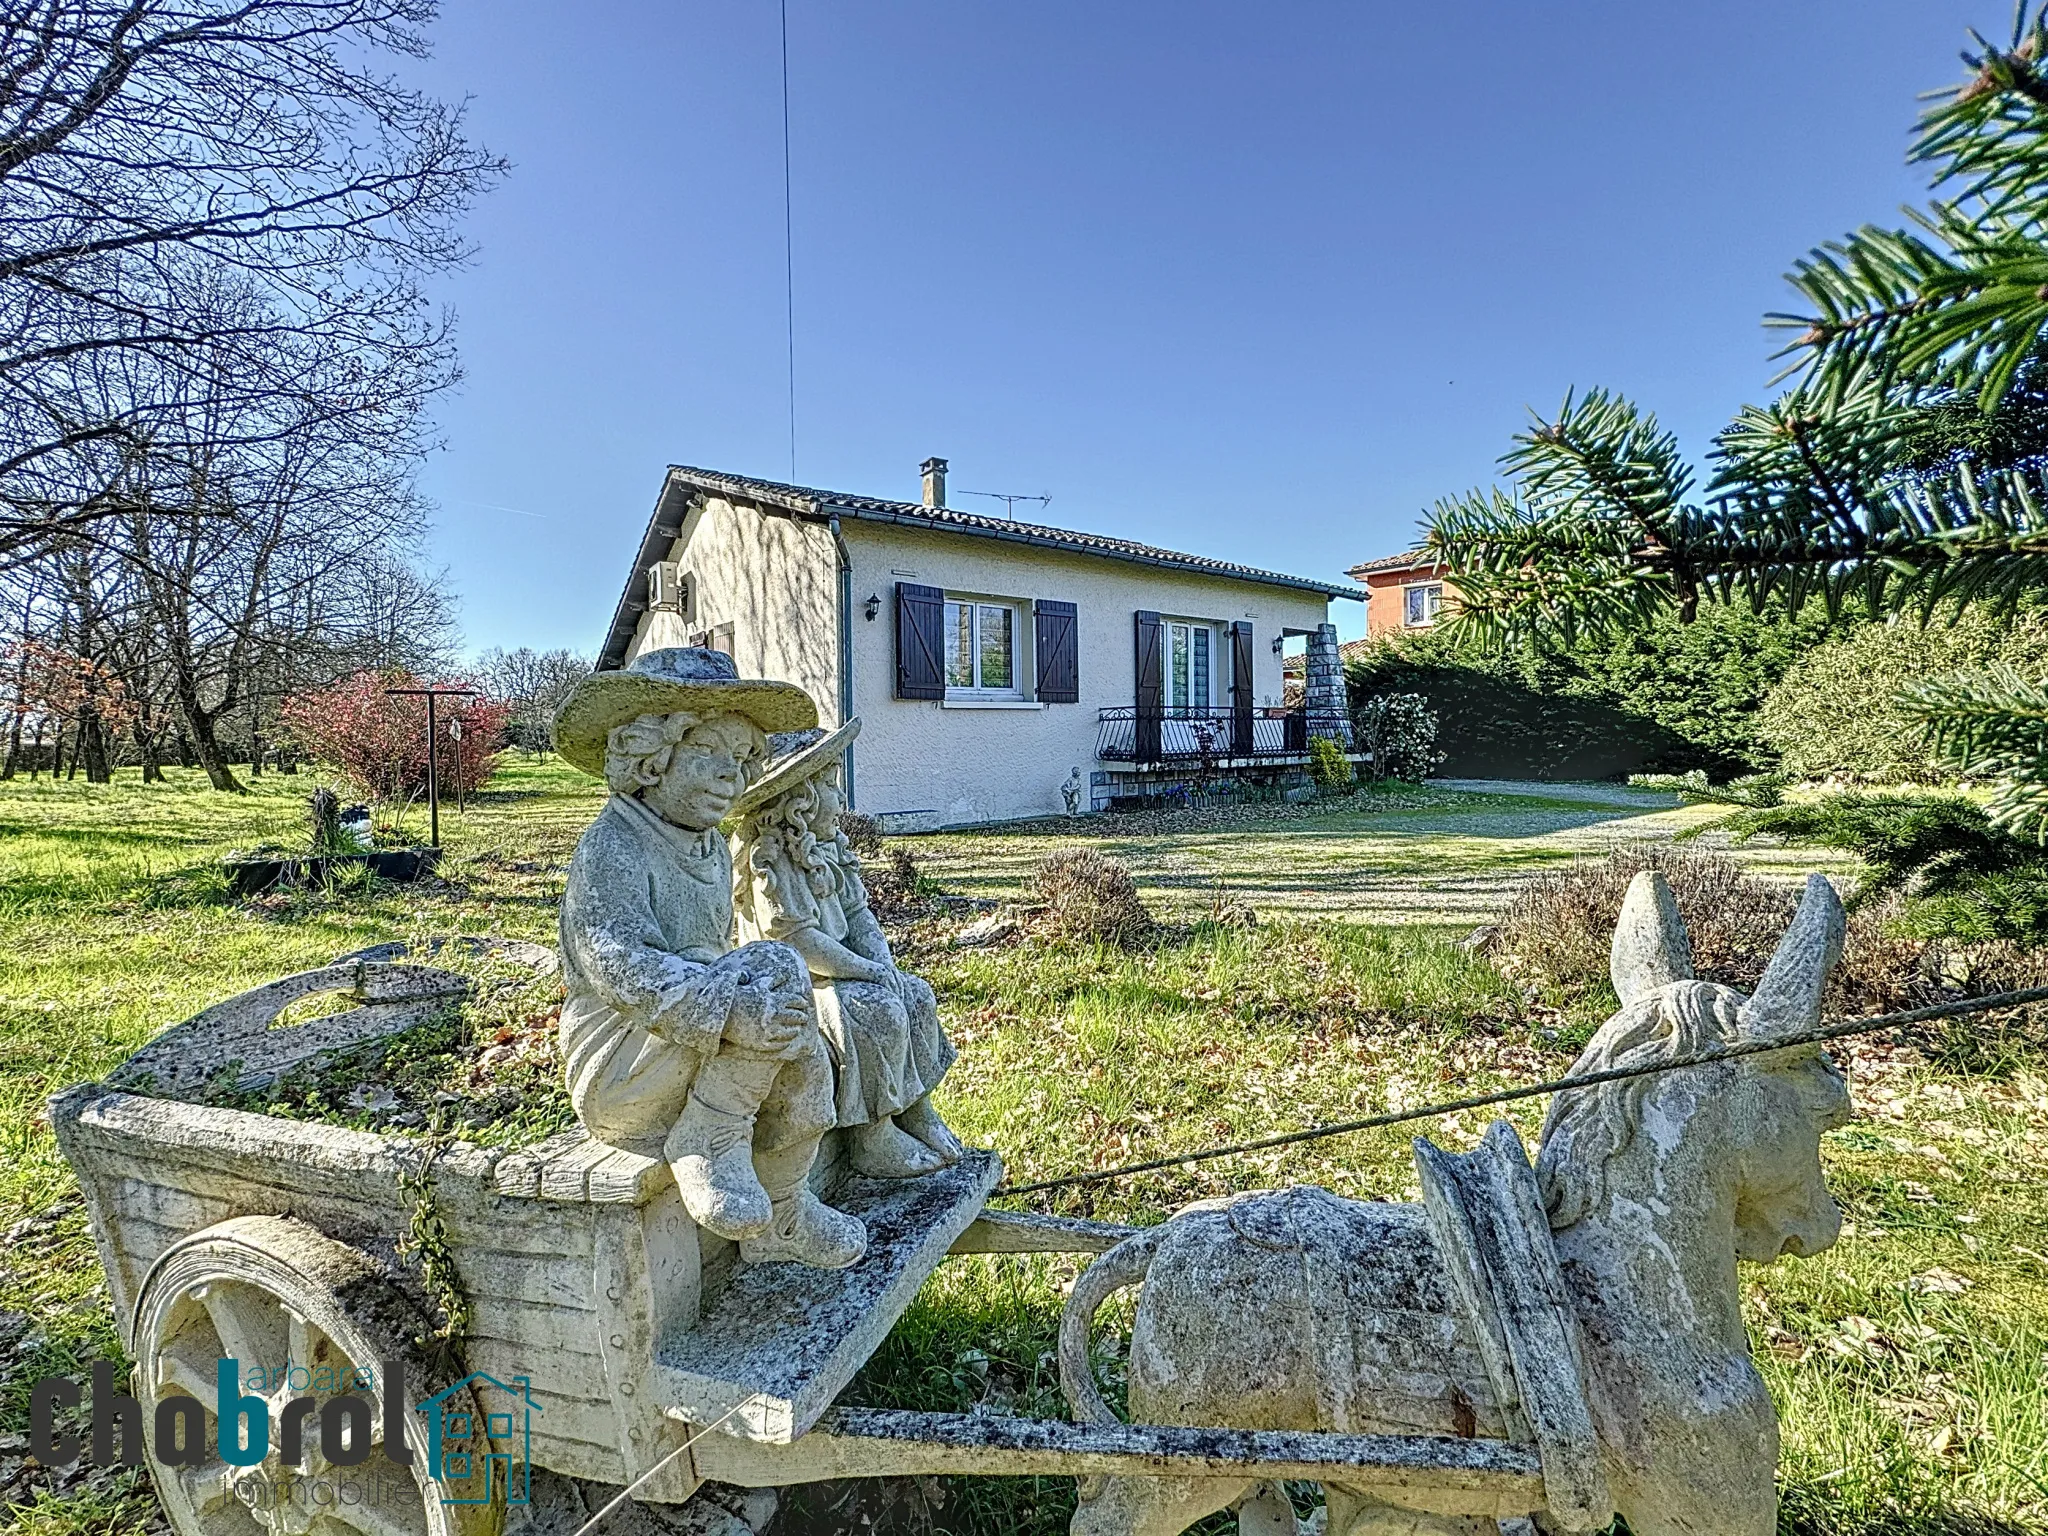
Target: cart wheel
{"x":264,"y":1290}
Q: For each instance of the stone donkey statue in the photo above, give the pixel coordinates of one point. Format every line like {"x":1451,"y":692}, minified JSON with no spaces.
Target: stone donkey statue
{"x":1298,"y":1310}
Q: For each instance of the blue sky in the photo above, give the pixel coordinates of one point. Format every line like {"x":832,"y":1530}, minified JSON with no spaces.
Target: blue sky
{"x":1259,"y":281}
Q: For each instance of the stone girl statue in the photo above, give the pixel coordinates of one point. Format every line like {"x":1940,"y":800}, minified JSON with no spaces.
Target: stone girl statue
{"x":677,"y":1044}
{"x":799,"y":882}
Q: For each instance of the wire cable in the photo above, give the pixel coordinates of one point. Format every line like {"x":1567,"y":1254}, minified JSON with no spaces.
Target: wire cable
{"x":1555,"y":1085}
{"x":644,"y":1478}
{"x":788,"y":246}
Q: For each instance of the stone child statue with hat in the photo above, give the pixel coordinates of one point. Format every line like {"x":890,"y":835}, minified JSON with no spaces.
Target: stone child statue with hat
{"x":799,"y":882}
{"x":677,"y":1044}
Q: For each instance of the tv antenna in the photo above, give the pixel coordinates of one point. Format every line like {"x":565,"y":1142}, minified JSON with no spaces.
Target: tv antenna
{"x":1010,"y":501}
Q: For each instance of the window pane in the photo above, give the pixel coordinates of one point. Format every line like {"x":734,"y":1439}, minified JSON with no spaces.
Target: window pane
{"x":959,"y":645}
{"x":1201,"y":682}
{"x":995,"y":647}
{"x":1177,"y":670}
{"x":1434,"y":600}
{"x":1417,"y":605}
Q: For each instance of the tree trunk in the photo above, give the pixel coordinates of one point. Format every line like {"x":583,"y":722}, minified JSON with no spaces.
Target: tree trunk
{"x":185,"y":757}
{"x":35,"y":752}
{"x":206,"y":747}
{"x":146,"y":750}
{"x":92,"y":746}
{"x":70,"y":770}
{"x":13,"y":748}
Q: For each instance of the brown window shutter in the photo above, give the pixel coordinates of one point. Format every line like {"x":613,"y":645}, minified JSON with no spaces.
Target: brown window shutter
{"x":1058,"y":651}
{"x":920,"y":641}
{"x":1242,"y":690}
{"x":1151,"y":699}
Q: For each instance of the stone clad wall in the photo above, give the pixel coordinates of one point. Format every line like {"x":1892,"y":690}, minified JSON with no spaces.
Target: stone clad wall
{"x":1325,"y":688}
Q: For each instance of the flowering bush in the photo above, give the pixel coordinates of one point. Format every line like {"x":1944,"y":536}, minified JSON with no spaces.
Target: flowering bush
{"x":378,"y":742}
{"x":1399,"y":730}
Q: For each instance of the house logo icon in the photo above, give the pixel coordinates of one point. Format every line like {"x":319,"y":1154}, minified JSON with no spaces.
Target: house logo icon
{"x":482,"y":1453}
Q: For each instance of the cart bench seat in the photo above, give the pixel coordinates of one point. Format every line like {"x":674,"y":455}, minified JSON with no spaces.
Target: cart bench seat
{"x":779,"y":1342}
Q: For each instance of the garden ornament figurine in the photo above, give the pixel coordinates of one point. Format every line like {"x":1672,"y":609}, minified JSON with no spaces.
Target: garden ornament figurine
{"x":1070,"y":792}
{"x":677,"y":1044}
{"x":799,"y":883}
{"x":1588,"y":1305}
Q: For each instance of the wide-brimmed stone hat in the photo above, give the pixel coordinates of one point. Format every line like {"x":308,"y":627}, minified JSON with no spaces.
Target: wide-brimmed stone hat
{"x":798,"y":756}
{"x":662,"y":682}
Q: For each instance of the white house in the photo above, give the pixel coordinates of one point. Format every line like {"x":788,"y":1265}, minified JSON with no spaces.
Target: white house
{"x":989,"y":660}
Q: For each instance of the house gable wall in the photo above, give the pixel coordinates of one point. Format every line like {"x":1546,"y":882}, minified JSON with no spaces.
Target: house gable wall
{"x":774,"y":579}
{"x":923,"y":763}
{"x":1386,"y":597}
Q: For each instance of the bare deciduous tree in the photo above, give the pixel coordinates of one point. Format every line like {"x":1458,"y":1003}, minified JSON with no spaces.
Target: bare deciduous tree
{"x":534,"y":683}
{"x":223,"y":200}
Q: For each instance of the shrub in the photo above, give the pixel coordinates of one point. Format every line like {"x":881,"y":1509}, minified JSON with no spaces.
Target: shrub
{"x":1090,"y":897}
{"x":1559,"y":931}
{"x":1664,"y":696}
{"x":863,"y":832}
{"x":379,"y":743}
{"x":1750,"y":789}
{"x":1328,"y":765}
{"x":1928,"y":841}
{"x":1837,"y":713}
{"x":1399,"y":730}
{"x":896,"y":886}
{"x":1976,"y":882}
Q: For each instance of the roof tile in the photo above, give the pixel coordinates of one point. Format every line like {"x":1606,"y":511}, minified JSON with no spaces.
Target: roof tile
{"x":809,"y":499}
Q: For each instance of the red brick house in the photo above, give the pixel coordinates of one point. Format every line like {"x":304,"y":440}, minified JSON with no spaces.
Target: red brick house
{"x":1403,"y":592}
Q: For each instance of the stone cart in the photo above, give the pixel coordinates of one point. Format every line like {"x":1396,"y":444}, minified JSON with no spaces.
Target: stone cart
{"x":602,"y":1328}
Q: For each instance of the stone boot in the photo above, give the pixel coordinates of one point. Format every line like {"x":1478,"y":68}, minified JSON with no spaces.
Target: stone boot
{"x":803,"y":1228}
{"x":711,"y":1153}
{"x":922,"y":1121}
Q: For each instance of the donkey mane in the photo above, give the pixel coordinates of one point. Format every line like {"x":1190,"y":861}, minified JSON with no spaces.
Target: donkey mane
{"x":1588,"y":1127}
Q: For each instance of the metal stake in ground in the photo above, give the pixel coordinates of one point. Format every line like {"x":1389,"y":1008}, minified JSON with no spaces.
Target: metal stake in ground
{"x":433,"y":751}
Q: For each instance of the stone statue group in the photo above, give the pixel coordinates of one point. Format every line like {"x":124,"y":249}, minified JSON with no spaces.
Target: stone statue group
{"x":730,"y":1002}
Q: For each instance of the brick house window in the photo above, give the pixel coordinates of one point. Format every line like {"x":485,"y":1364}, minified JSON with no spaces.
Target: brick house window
{"x":1422,"y":603}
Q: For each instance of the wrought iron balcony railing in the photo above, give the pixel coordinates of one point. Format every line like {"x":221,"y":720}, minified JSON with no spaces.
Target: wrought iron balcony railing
{"x":1214,"y":734}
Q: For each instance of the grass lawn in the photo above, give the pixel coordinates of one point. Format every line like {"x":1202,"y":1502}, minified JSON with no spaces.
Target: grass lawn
{"x":1431,"y":856}
{"x":1910,"y":1363}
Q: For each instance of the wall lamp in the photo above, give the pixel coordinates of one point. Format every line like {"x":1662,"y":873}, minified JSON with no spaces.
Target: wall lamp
{"x":874,"y":606}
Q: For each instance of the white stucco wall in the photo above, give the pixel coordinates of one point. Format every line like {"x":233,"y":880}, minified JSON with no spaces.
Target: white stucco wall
{"x":774,"y":579}
{"x":934,"y":764}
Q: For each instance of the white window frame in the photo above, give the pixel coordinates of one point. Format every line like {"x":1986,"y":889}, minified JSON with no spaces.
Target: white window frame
{"x":1167,"y":625}
{"x":1432,"y":606}
{"x":976,"y":693}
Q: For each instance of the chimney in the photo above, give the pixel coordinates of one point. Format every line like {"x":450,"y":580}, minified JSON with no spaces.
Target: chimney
{"x":934,"y":472}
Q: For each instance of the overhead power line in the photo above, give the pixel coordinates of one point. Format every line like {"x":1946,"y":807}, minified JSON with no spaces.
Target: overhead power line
{"x":788,"y":246}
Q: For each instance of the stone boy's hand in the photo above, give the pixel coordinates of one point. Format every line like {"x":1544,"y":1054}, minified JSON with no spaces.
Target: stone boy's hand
{"x":771,"y":1011}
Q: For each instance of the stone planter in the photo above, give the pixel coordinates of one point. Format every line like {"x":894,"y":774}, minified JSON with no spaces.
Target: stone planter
{"x":252,"y":875}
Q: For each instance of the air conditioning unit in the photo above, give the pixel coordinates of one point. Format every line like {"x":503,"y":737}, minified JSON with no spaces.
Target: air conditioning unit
{"x":670,"y":590}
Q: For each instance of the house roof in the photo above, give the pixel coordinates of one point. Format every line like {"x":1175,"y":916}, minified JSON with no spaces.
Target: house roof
{"x":1407,"y":560}
{"x":1297,"y":666}
{"x":685,"y":482}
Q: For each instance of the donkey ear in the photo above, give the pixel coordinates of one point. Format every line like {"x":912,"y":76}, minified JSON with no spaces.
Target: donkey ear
{"x":1787,"y":1000}
{"x":1650,"y":947}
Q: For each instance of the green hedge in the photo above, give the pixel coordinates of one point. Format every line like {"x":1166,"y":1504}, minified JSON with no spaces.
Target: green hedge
{"x":1835,"y":714}
{"x":1672,"y":697}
